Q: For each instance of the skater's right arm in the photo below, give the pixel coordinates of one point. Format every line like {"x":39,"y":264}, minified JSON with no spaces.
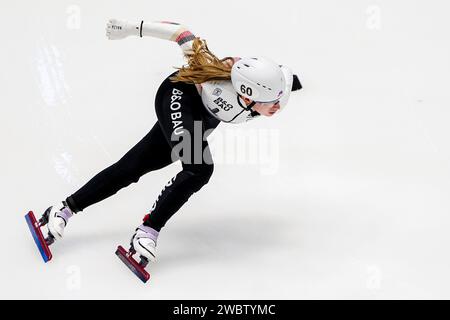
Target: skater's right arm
{"x":119,"y":29}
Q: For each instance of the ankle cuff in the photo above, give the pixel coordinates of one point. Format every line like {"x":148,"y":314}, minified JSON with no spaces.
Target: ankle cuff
{"x":66,"y":213}
{"x":72,"y":205}
{"x":150,"y":232}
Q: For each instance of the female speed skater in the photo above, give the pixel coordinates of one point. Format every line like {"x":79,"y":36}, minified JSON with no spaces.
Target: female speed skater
{"x":195,"y":98}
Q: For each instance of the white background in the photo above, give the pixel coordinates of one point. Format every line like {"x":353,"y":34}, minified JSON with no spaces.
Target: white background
{"x":358,"y":206}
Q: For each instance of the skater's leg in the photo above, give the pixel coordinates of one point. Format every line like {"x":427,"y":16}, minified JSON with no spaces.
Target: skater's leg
{"x":182,"y":102}
{"x":151,"y":153}
{"x":177,"y":192}
{"x":184,"y":122}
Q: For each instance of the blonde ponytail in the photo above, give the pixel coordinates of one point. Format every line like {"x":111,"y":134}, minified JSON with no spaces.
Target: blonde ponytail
{"x":203,"y":66}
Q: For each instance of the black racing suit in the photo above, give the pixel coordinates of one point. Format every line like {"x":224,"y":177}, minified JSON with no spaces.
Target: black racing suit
{"x":180,"y":112}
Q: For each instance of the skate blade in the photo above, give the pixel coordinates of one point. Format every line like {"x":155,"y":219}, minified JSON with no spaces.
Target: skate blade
{"x":38,"y":237}
{"x":132,"y":264}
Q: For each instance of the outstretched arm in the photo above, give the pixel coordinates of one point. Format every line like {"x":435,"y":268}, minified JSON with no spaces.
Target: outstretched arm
{"x":120,"y":29}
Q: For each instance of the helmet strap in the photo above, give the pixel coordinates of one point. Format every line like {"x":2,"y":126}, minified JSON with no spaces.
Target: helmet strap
{"x":247,"y":108}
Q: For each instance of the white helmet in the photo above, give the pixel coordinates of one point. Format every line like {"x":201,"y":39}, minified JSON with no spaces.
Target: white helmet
{"x":258,"y":79}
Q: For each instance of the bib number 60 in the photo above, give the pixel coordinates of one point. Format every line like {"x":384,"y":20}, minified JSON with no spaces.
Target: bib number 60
{"x":246,"y":90}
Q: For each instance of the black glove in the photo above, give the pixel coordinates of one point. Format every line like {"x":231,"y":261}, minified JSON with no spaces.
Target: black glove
{"x":296,"y":85}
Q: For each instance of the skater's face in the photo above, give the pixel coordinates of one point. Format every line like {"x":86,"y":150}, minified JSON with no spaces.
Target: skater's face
{"x":265,"y":109}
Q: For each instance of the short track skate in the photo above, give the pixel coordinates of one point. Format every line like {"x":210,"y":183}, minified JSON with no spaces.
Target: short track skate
{"x":35,"y":228}
{"x":138,"y":268}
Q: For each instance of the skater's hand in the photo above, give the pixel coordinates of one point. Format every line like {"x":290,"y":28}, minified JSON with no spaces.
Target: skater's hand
{"x":120,"y":29}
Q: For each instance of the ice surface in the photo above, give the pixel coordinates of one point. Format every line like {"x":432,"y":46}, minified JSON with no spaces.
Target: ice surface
{"x":354,"y":203}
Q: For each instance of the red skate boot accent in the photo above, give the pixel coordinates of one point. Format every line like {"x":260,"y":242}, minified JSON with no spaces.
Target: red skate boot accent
{"x":35,"y":229}
{"x":137,"y":268}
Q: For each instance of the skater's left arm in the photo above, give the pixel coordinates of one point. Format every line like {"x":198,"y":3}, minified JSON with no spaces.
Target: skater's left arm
{"x":119,"y":29}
